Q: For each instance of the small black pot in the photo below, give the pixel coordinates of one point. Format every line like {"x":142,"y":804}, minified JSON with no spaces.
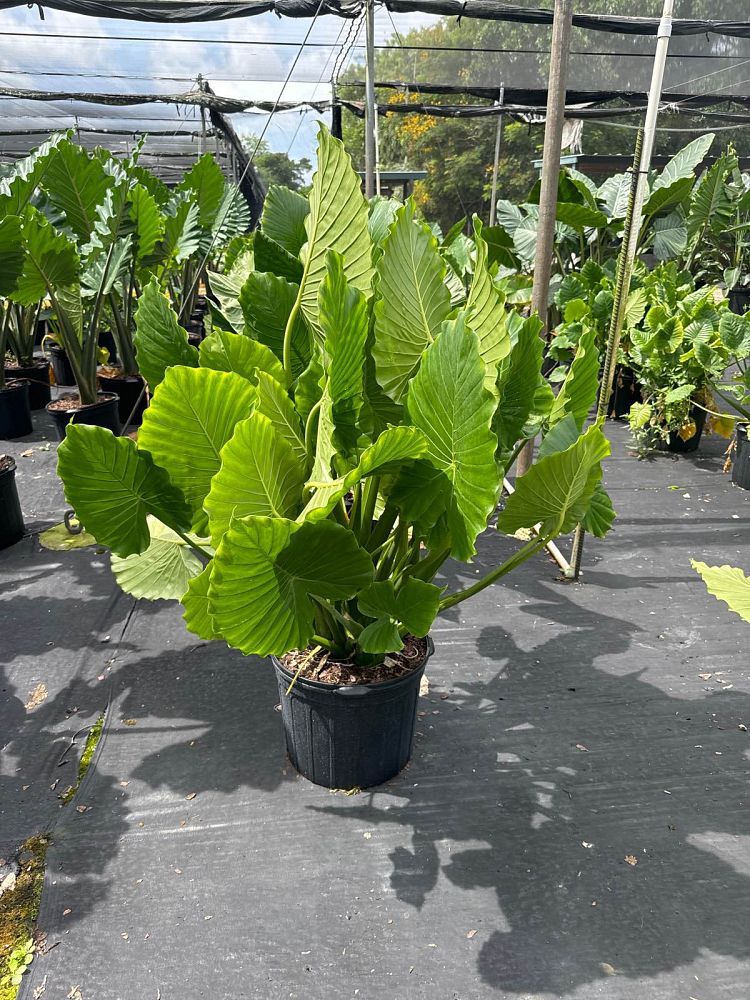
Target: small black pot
{"x":37,"y":375}
{"x":626,"y":390}
{"x":60,"y":365}
{"x":11,"y":519}
{"x":15,"y":413}
{"x":101,"y":414}
{"x":741,"y":464}
{"x":350,"y":737}
{"x":680,"y":447}
{"x":130,"y":389}
{"x":739,"y":300}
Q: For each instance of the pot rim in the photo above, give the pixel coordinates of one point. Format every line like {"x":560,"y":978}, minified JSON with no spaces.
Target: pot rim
{"x":120,"y":378}
{"x":374,"y":686}
{"x":35,"y":363}
{"x":14,"y":384}
{"x":10,"y":471}
{"x":106,"y":397}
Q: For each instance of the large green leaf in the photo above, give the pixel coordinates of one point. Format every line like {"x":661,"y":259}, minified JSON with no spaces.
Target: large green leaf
{"x":344,"y":323}
{"x":267,"y":570}
{"x":381,"y":218}
{"x":259,"y":474}
{"x":267,"y":302}
{"x":729,"y":584}
{"x":485,"y":313}
{"x":414,"y":605}
{"x":683,"y":164}
{"x":580,"y":217}
{"x":711,"y":207}
{"x":662,"y":198}
{"x":160,"y":341}
{"x":76,"y":184}
{"x":601,"y":514}
{"x":51,"y":260}
{"x":193,"y":413}
{"x":271,"y":257}
{"x":393,"y":448}
{"x":670,"y":236}
{"x":614,"y":195}
{"x":227,"y":288}
{"x":113,"y":487}
{"x":518,"y":379}
{"x":162,"y":571}
{"x":205,"y":182}
{"x":556,"y":492}
{"x":197,"y":616}
{"x":231,"y":352}
{"x":337,"y":221}
{"x":148,"y":220}
{"x":19,"y":187}
{"x":734,"y":332}
{"x":12,"y":254}
{"x":274,"y":402}
{"x":448,"y":402}
{"x":182,"y":235}
{"x":284,"y":214}
{"x":578,"y":392}
{"x":413,"y":301}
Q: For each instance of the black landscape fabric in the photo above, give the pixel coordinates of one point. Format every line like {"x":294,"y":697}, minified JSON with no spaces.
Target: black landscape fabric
{"x":573,"y":822}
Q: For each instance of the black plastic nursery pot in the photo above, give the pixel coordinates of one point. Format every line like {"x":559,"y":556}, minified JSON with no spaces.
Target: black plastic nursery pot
{"x":741,"y":464}
{"x":15,"y":412}
{"x":11,"y":519}
{"x":131,"y":392}
{"x":680,"y":447}
{"x":37,"y":375}
{"x":352,"y":736}
{"x":101,"y":414}
{"x":739,"y":300}
{"x":626,"y":390}
{"x":60,"y":365}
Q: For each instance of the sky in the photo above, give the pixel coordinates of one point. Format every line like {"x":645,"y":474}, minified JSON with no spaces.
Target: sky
{"x":245,"y":57}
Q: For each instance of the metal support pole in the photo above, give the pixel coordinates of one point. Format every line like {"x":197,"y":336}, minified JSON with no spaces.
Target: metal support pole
{"x":632,"y":233}
{"x":336,"y":123}
{"x":495,"y":165}
{"x":370,"y":109}
{"x":553,"y":128}
{"x":201,"y":87}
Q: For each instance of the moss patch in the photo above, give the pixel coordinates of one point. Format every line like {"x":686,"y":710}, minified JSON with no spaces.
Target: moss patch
{"x":19,"y":907}
{"x":88,"y":752}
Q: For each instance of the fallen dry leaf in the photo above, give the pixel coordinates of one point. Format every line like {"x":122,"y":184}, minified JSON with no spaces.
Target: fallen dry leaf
{"x":37,"y":696}
{"x":178,"y":871}
{"x":66,"y":911}
{"x":607,"y":969}
{"x":424,"y":686}
{"x":190,"y":796}
{"x":472,"y":933}
{"x":705,"y":677}
{"x":82,"y":809}
{"x":580,"y":746}
{"x":586,"y":844}
{"x":631,"y":859}
{"x":743,"y":727}
{"x":75,"y":993}
{"x":28,"y":453}
{"x":130,"y":722}
{"x":40,"y":989}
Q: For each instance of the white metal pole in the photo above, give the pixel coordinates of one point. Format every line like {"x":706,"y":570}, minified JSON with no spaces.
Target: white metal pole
{"x":495,"y":163}
{"x":664,"y":33}
{"x":370,"y":109}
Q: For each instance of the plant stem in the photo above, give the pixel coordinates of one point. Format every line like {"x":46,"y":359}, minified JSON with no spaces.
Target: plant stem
{"x":309,"y":423}
{"x":524,"y":553}
{"x":369,"y":501}
{"x":199,"y":550}
{"x":287,"y":350}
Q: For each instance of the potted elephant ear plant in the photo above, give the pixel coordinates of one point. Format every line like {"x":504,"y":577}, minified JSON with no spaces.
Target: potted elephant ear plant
{"x":332,"y":458}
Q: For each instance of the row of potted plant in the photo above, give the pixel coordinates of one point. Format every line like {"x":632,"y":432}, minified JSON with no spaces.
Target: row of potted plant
{"x":82,"y":233}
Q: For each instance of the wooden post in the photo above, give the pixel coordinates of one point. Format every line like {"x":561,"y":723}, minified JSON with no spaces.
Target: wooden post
{"x":553,"y":128}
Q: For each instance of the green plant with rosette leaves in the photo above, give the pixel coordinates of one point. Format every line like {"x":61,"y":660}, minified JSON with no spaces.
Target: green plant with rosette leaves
{"x":301,"y":481}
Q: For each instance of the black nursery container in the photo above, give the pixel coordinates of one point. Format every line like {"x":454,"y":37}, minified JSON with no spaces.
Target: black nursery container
{"x":352,"y":736}
{"x":11,"y":519}
{"x":741,"y":464}
{"x":739,"y":300}
{"x":131,"y":391}
{"x":680,"y":447}
{"x":626,"y":390}
{"x":15,"y":413}
{"x":60,"y":365}
{"x":37,"y":375}
{"x":101,"y":414}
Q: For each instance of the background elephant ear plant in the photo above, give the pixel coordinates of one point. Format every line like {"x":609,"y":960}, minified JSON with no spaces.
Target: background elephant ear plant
{"x":298,"y":483}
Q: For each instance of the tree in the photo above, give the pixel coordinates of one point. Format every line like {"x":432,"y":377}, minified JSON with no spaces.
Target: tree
{"x":277,"y":168}
{"x":458,"y":153}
